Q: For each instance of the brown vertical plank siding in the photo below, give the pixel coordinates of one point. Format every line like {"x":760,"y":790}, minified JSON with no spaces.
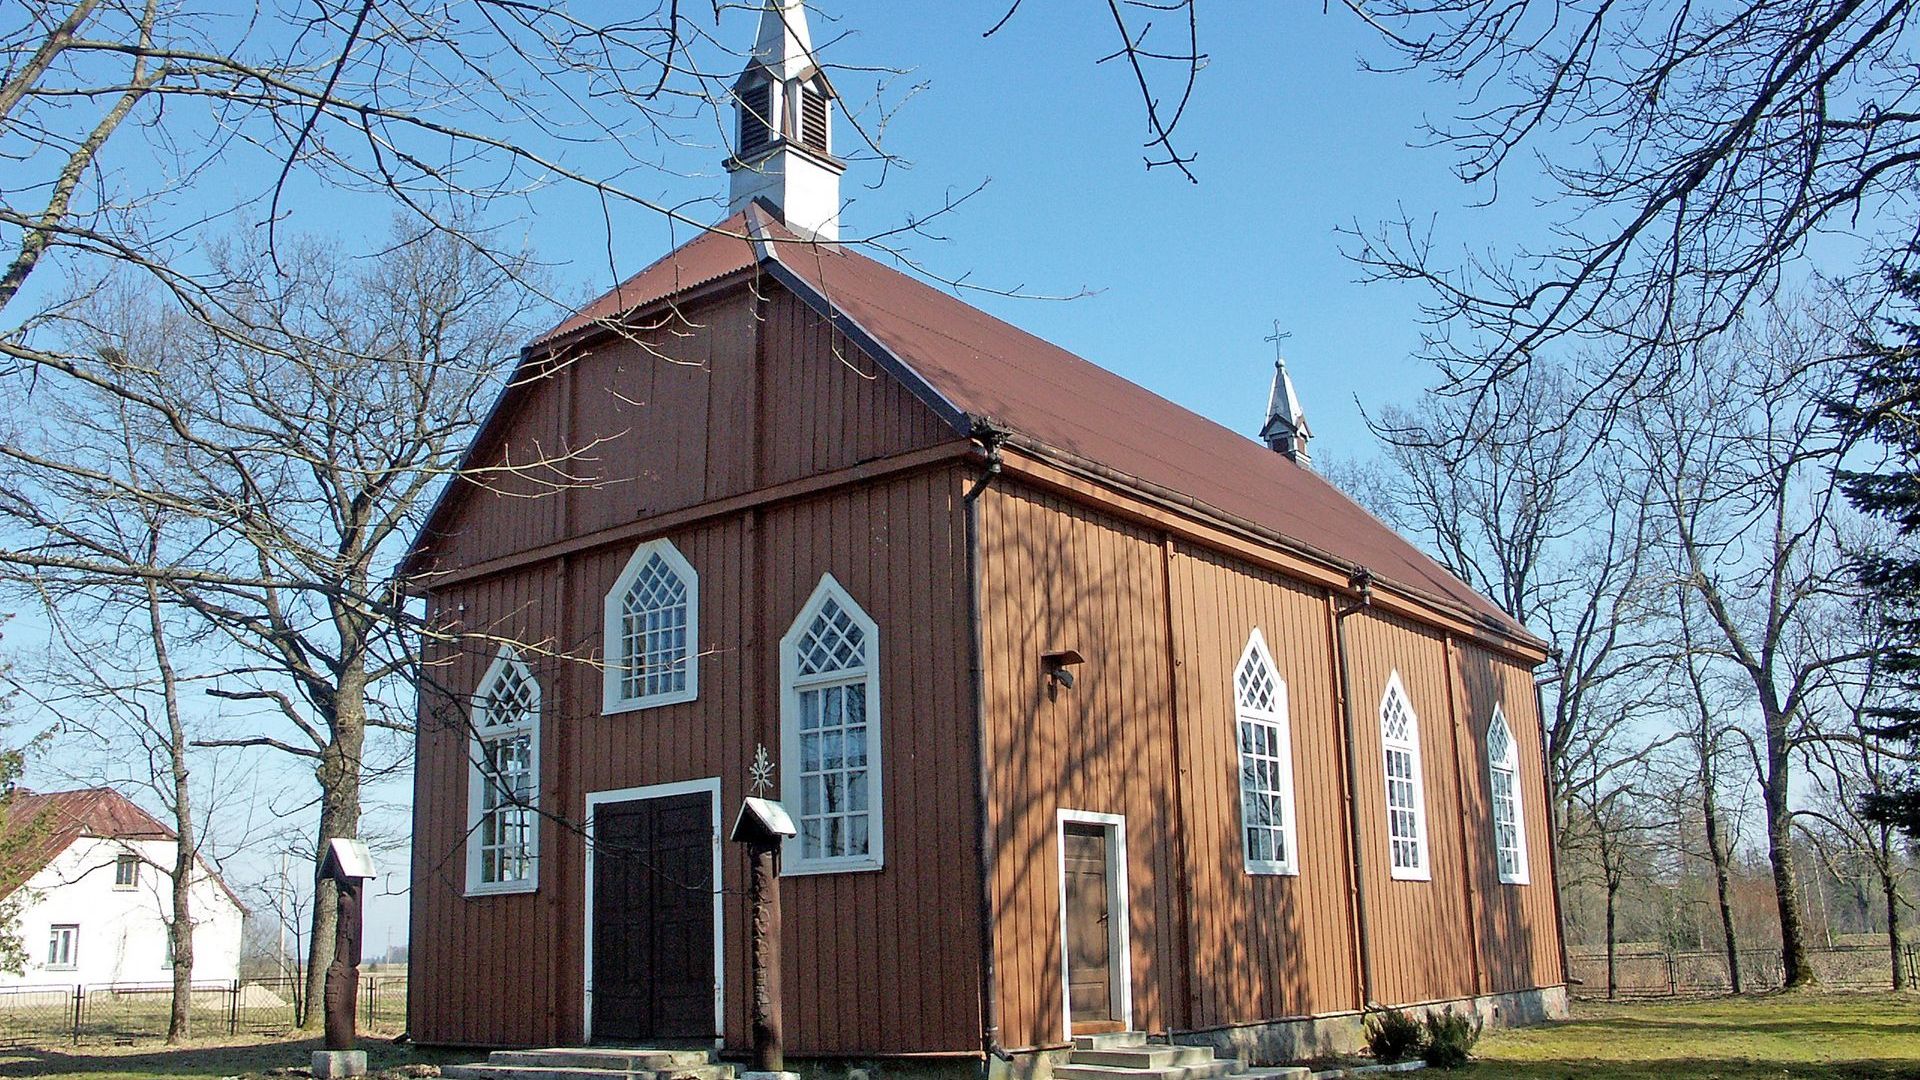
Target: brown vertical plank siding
{"x":1261,"y":947}
{"x":676,"y":416}
{"x":1516,"y":933}
{"x":1269,"y":945}
{"x":1058,"y":576}
{"x":877,"y":962}
{"x":1418,"y":930}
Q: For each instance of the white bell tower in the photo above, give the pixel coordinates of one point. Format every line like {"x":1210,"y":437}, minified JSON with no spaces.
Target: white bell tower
{"x":783,"y":137}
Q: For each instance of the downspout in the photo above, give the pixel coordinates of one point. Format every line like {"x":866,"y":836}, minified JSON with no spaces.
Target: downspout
{"x":1362,"y":585}
{"x":990,"y":438}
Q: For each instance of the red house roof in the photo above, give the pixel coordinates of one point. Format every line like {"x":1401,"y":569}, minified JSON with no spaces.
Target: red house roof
{"x":971,"y":367}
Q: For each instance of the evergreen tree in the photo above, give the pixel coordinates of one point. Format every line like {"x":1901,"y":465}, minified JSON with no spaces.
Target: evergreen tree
{"x":1885,"y":408}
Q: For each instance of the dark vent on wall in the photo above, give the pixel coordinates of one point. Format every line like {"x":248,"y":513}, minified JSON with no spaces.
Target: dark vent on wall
{"x":756,"y":115}
{"x":813,"y":119}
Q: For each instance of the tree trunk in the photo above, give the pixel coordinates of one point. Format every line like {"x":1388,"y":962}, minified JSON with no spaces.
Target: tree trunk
{"x":1786,"y":891}
{"x":180,"y":923}
{"x":1613,"y":980}
{"x":339,"y":775}
{"x":1717,"y":853}
{"x":1890,"y":890}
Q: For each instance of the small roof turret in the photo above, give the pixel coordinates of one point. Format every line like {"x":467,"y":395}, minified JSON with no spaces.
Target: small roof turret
{"x":783,"y":146}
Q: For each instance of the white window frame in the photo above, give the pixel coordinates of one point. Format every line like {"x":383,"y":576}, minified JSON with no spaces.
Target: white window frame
{"x":479,"y":735}
{"x":71,"y":933}
{"x":1277,"y":719}
{"x":133,"y":881}
{"x":1510,"y":765}
{"x":1422,"y":870}
{"x":613,"y":630}
{"x":792,"y":862}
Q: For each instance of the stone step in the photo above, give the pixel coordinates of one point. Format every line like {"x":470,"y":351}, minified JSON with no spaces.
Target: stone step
{"x":603,"y":1057}
{"x":1110,"y":1040}
{"x":1205,"y":1070}
{"x":1144,"y":1057}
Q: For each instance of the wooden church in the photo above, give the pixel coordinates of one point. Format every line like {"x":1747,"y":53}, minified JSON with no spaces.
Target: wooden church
{"x":1092,"y":715}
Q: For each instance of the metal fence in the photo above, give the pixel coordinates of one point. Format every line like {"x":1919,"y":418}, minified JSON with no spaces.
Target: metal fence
{"x":1650,"y":973}
{"x":133,"y":1012}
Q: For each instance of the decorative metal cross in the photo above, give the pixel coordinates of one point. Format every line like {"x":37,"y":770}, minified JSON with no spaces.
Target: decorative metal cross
{"x":1278,"y":337}
{"x":762,"y":771}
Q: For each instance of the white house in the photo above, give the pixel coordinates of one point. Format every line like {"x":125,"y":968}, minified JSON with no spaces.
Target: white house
{"x":100,"y":894}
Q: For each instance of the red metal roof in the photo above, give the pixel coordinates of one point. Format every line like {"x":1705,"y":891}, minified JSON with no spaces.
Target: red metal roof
{"x":980,"y":366}
{"x":714,"y":254}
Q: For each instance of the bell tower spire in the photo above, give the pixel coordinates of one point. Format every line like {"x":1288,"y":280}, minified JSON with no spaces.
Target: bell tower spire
{"x":783,"y":135}
{"x":1285,"y":431}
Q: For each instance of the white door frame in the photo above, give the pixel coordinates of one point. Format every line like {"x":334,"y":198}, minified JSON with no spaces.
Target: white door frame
{"x":1119,"y":924}
{"x":710,"y":785}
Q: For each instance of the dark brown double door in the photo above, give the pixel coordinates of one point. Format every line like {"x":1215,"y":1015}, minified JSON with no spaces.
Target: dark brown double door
{"x":653,"y":943}
{"x":1091,"y":937}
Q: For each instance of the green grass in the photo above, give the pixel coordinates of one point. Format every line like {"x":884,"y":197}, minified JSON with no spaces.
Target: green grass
{"x":1787,"y":1036}
{"x":246,"y":1058}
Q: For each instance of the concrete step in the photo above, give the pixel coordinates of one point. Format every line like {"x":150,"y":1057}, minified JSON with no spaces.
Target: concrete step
{"x":602,"y":1057}
{"x":1144,"y":1057}
{"x":1110,"y":1040}
{"x":1205,"y":1070}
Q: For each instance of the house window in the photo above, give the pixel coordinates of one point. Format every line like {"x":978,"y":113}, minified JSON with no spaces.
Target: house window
{"x":1266,"y":762}
{"x":1406,"y":794}
{"x":503,"y":781}
{"x":63,"y":947}
{"x":830,"y":734}
{"x":652,"y":622}
{"x":126,"y":871}
{"x":1503,"y":775}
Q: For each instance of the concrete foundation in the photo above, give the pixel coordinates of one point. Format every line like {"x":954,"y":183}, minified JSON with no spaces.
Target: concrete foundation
{"x":1284,"y":1041}
{"x":339,"y":1063}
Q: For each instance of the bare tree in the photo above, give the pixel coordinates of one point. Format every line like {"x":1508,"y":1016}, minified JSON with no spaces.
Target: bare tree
{"x":1705,"y":733}
{"x":293,"y":457}
{"x":1540,"y":515}
{"x":1691,"y":151}
{"x":1740,"y":458}
{"x":1853,"y":766}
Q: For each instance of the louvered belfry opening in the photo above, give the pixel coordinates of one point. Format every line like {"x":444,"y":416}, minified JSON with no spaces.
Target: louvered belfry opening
{"x":813,"y":118}
{"x":756,"y":116}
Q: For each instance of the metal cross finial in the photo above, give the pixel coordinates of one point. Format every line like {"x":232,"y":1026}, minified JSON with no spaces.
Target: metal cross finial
{"x":1278,"y":337}
{"x":762,"y":771}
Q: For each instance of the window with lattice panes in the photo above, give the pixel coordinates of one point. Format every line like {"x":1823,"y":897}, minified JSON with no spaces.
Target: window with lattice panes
{"x":1267,"y":828}
{"x":652,"y":624}
{"x":830,"y":734}
{"x":503,"y":800}
{"x":1406,"y":792}
{"x":1503,"y":788}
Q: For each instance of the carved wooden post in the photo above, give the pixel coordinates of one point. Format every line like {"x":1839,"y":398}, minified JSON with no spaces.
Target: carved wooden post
{"x":343,"y":975}
{"x":762,"y":826}
{"x":348,"y":865}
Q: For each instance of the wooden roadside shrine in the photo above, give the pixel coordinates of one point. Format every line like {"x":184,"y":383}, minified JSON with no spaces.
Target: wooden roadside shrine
{"x":763,"y":825}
